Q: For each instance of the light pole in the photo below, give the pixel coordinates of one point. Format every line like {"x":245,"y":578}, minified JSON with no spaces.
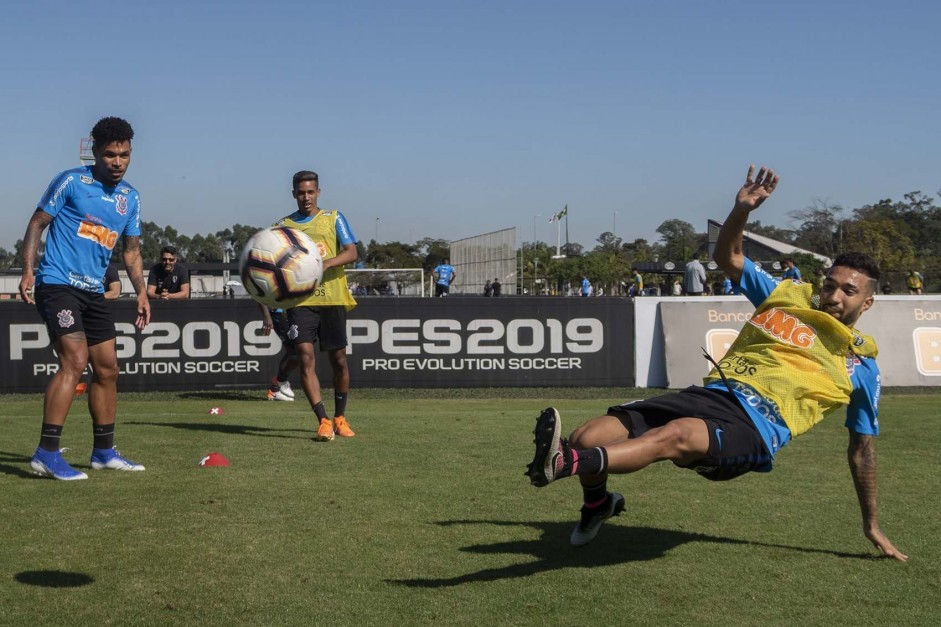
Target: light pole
{"x":614,"y":228}
{"x":377,"y":230}
{"x":535,"y":258}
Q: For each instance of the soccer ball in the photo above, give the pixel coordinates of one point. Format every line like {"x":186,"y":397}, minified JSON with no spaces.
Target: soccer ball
{"x":280,"y":267}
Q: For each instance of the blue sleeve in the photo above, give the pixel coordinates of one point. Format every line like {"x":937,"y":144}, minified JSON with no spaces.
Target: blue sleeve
{"x":862,"y":414}
{"x":132,"y":228}
{"x":57,"y":193}
{"x":756,"y":284}
{"x":344,"y":232}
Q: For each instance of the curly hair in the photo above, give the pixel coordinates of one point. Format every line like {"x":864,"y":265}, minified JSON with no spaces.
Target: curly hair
{"x":111,"y":129}
{"x":305,"y":175}
{"x":859,"y":261}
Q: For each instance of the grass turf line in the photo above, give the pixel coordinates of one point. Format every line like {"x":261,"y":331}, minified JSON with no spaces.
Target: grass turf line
{"x":425,"y":517}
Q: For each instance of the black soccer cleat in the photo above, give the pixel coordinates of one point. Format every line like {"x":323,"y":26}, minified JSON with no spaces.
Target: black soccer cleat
{"x":592,"y":519}
{"x":552,"y":460}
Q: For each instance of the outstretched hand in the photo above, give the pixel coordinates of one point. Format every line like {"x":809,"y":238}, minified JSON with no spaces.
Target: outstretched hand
{"x":756,"y":189}
{"x":882,"y":543}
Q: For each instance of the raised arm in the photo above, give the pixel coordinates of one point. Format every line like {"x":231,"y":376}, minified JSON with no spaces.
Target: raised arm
{"x":861,"y":455}
{"x":728,"y":252}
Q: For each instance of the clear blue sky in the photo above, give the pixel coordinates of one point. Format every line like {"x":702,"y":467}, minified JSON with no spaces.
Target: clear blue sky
{"x":449,"y":119}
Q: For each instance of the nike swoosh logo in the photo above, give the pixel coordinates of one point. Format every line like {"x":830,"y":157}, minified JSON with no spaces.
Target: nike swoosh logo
{"x":719,"y":437}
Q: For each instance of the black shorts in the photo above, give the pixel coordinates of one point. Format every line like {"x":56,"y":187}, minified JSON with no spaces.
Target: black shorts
{"x":326,"y":324}
{"x":735,"y":446}
{"x":441,"y":290}
{"x":66,"y":310}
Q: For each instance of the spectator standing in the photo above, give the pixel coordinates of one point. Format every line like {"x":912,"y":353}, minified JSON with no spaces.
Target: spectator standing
{"x":694,"y":279}
{"x":791,"y":271}
{"x":637,"y":286}
{"x":586,"y":286}
{"x":727,"y":288}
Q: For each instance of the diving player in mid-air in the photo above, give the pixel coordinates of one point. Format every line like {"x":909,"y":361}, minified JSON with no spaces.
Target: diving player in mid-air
{"x":798,"y":358}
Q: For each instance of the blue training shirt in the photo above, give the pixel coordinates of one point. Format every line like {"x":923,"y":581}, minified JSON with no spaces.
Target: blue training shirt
{"x":444,"y":272}
{"x":88,"y":218}
{"x":862,"y":411}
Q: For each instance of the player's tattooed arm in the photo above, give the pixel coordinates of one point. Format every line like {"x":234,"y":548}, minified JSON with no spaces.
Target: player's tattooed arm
{"x":37,"y":224}
{"x":134,"y":263}
{"x":861,"y":456}
{"x":135,"y":272}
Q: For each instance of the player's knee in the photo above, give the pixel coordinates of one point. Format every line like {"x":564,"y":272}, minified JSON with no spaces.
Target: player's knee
{"x":593,"y":433}
{"x":73,"y":363}
{"x":106,"y":373}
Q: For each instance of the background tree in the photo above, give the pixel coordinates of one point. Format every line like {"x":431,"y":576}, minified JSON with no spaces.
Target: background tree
{"x":680,"y":240}
{"x":820,"y":228}
{"x":8,"y":258}
{"x":435,"y":251}
{"x":782,"y":235}
{"x":393,"y":255}
{"x":884,"y":240}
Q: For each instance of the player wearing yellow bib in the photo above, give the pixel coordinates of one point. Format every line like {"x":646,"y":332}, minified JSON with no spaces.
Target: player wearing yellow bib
{"x":797,"y":359}
{"x":322,"y":317}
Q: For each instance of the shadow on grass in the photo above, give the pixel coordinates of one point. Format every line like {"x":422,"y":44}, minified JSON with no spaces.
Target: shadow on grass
{"x":53,"y":579}
{"x":615,"y":545}
{"x":8,"y":459}
{"x":227,"y":395}
{"x":228,"y":428}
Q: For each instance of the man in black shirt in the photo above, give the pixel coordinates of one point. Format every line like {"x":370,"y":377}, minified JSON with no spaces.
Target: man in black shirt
{"x":168,"y":279}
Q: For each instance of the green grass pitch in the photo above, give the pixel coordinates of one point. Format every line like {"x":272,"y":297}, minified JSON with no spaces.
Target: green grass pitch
{"x":425,"y":518}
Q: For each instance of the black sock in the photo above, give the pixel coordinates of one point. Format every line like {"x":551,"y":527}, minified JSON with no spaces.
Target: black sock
{"x":50,"y":436}
{"x":590,"y":461}
{"x":320,"y":411}
{"x":274,"y":387}
{"x":104,"y":436}
{"x":594,"y":495}
{"x":339,"y":403}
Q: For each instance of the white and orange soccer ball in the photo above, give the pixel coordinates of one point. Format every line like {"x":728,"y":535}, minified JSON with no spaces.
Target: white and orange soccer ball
{"x":280,"y":267}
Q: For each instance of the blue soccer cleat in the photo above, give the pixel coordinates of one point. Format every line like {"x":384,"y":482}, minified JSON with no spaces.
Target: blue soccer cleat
{"x":111,"y":459}
{"x":51,"y":464}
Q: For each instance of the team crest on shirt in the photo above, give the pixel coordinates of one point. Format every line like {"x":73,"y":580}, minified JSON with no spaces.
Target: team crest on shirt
{"x":65,"y":318}
{"x":851,"y":362}
{"x":86,"y":179}
{"x":120,"y":204}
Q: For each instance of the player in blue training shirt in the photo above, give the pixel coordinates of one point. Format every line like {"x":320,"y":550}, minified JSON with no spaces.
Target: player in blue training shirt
{"x":791,"y":271}
{"x":86,"y":210}
{"x":444,"y":276}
